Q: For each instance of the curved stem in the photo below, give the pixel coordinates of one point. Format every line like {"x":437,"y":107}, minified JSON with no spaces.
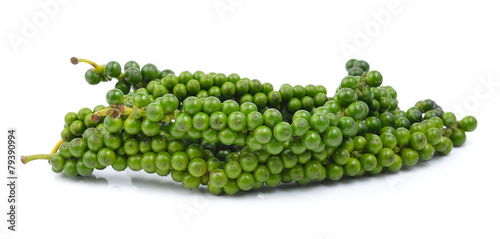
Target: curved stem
{"x":97,"y":68}
{"x":27,"y":159}
{"x":56,"y":147}
{"x":75,"y":61}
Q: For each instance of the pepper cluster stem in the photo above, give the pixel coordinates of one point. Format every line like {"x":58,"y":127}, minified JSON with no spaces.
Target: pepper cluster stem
{"x":97,"y":68}
{"x":56,"y":147}
{"x":27,"y":159}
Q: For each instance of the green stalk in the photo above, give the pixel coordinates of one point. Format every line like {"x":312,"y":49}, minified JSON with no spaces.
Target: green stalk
{"x":97,"y":68}
{"x":27,"y":159}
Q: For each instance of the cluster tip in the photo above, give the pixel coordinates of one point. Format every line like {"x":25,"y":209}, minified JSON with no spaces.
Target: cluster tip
{"x":74,"y":60}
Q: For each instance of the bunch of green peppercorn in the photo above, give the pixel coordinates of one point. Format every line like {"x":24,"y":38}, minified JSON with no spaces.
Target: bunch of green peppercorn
{"x":236,"y":134}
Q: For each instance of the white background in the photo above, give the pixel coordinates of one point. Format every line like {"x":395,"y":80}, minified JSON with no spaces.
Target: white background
{"x":447,"y":51}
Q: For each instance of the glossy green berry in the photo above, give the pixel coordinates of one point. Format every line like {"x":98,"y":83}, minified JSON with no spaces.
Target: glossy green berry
{"x":232,"y":170}
{"x":350,"y":64}
{"x":362,"y":65}
{"x":311,"y":139}
{"x":427,"y":152}
{"x":449,"y":119}
{"x":334,"y":171}
{"x":218,"y":178}
{"x":254,"y":119}
{"x":263,"y":134}
{"x":409,"y":157}
{"x":114,"y":97}
{"x":349,"y":82}
{"x":70,"y":168}
{"x":77,"y":147}
{"x":355,"y":71}
{"x":319,"y":122}
{"x":374,"y":78}
{"x":418,"y":140}
{"x":130,"y":64}
{"x":106,"y":156}
{"x":113,"y":69}
{"x":197,"y":167}
{"x":283,"y":131}
{"x":346,"y":96}
{"x":368,"y":162}
{"x":113,"y":124}
{"x":458,"y":137}
{"x":468,"y":123}
{"x":386,"y":157}
{"x":92,"y":77}
{"x":149,"y":72}
{"x":237,"y":121}
{"x":352,"y":167}
{"x":218,"y":120}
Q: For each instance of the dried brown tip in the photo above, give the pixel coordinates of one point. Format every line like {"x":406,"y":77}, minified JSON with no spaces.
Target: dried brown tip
{"x":74,"y":60}
{"x":115,"y":113}
{"x":23,"y":159}
{"x":121,"y":108}
{"x":96,"y":118}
